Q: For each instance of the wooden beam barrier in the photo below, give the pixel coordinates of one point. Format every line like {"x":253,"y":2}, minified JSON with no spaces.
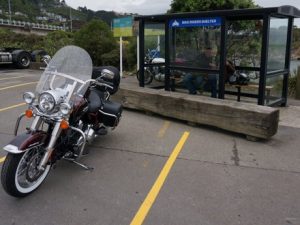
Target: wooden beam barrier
{"x":252,"y":120}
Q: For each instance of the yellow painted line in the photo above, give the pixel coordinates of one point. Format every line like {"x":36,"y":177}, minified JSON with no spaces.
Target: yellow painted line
{"x":163,"y":130}
{"x":11,"y":107}
{"x":18,"y":85}
{"x":7,"y":78}
{"x":2,"y":159}
{"x":150,"y":199}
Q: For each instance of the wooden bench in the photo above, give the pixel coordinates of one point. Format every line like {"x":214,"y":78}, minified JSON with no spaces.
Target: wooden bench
{"x":250,"y":87}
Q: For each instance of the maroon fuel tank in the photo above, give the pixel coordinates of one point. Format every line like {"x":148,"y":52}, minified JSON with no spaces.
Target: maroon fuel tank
{"x":80,"y":107}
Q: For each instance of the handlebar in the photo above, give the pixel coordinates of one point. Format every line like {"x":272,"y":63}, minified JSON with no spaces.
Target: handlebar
{"x":101,"y":84}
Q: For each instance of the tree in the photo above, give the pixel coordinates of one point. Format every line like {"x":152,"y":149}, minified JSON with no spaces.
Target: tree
{"x":56,"y":40}
{"x":204,"y":5}
{"x":97,"y":39}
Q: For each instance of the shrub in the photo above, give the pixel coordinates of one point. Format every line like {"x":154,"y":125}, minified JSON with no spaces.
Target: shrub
{"x":97,"y":39}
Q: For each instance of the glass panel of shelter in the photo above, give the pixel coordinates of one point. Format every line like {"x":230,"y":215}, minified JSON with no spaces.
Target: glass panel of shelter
{"x":243,"y":47}
{"x":154,"y":48}
{"x":276,"y":59}
{"x":194,"y":57}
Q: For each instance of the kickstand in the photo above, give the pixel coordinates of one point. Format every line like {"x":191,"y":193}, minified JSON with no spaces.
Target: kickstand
{"x":83,"y":166}
{"x":79,"y":164}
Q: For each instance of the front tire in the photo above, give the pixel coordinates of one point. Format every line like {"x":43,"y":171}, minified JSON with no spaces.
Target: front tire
{"x":148,"y":76}
{"x":20,"y":176}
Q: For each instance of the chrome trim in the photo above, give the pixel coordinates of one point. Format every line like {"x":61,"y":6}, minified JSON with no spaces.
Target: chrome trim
{"x":54,"y":117}
{"x":108,"y":114}
{"x":12,"y":149}
{"x":36,"y":123}
{"x":84,"y":140}
{"x":18,"y":123}
{"x":31,"y":95}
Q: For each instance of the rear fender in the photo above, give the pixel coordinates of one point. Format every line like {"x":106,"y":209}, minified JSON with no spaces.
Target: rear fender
{"x":26,"y":141}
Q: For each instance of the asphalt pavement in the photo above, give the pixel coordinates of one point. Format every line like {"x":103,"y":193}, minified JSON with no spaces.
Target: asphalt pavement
{"x":155,"y":170}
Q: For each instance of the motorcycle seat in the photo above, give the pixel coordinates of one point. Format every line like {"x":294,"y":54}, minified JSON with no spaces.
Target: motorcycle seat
{"x":95,"y":100}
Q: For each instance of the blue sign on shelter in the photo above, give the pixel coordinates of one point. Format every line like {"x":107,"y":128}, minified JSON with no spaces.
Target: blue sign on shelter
{"x":195,"y":22}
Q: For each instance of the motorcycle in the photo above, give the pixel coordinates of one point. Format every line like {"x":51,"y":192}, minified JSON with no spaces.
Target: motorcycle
{"x":69,"y":110}
{"x":153,"y":72}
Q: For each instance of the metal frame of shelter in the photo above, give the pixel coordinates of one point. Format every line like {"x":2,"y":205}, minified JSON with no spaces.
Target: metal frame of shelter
{"x":263,"y":14}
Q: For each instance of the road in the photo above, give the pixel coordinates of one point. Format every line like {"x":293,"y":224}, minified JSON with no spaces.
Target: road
{"x":217,"y":177}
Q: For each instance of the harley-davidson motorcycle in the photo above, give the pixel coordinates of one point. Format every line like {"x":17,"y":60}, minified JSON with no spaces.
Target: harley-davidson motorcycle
{"x":69,"y":110}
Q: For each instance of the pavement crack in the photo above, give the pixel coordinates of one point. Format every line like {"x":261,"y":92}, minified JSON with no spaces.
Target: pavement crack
{"x":235,"y":152}
{"x":197,"y":160}
{"x":127,"y":150}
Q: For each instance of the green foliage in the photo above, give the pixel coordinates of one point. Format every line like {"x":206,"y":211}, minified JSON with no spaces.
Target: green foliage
{"x":50,"y":43}
{"x":204,"y":5}
{"x":293,"y":84}
{"x":296,"y":43}
{"x":29,"y":7}
{"x":97,"y":39}
{"x":32,"y":9}
{"x":10,"y":39}
{"x":244,"y":42}
{"x":111,"y":58}
{"x":54,"y":41}
{"x":130,"y":53}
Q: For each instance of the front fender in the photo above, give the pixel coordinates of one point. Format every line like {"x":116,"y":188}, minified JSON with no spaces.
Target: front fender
{"x":25,"y":141}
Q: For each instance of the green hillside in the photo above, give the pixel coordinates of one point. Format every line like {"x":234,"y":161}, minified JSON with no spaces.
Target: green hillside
{"x":30,"y":10}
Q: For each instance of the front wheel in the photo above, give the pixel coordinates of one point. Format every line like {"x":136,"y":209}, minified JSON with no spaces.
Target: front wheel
{"x":148,"y":76}
{"x":20,"y":175}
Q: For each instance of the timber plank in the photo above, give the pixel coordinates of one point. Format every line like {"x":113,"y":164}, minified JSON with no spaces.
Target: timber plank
{"x":249,"y":119}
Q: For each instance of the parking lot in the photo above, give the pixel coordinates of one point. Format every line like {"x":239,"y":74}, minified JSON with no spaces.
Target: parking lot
{"x":218,"y":177}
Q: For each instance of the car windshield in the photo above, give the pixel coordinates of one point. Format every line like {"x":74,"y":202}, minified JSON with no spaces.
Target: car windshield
{"x":69,"y":68}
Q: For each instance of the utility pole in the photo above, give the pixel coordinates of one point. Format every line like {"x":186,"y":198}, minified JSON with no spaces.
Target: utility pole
{"x":9,"y":11}
{"x":71,"y":25}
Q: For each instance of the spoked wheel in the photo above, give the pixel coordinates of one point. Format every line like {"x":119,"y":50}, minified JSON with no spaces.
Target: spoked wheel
{"x":148,"y":76}
{"x":20,"y":175}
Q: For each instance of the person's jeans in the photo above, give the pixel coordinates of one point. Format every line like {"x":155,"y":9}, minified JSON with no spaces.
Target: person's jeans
{"x":194,"y":82}
{"x":212,"y":82}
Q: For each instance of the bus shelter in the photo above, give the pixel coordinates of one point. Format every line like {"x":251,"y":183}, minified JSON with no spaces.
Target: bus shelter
{"x":257,"y":42}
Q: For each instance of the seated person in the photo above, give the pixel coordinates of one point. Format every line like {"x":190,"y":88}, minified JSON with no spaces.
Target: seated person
{"x":204,"y":81}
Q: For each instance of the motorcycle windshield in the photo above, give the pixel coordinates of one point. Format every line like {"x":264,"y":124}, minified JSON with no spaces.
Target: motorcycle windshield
{"x":68,"y":70}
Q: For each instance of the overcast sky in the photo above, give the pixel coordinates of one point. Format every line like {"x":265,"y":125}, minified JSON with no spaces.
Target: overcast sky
{"x":145,"y":7}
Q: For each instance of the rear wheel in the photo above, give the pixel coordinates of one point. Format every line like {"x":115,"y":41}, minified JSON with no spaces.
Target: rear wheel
{"x":23,"y":60}
{"x":20,"y":175}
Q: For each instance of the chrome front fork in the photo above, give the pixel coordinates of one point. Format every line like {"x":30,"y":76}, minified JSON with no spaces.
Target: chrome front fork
{"x":49,"y":149}
{"x":55,"y":134}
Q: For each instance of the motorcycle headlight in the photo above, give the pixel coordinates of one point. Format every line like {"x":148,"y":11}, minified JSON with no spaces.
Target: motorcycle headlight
{"x":65,"y":108}
{"x":46,"y":102}
{"x":29,"y":97}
